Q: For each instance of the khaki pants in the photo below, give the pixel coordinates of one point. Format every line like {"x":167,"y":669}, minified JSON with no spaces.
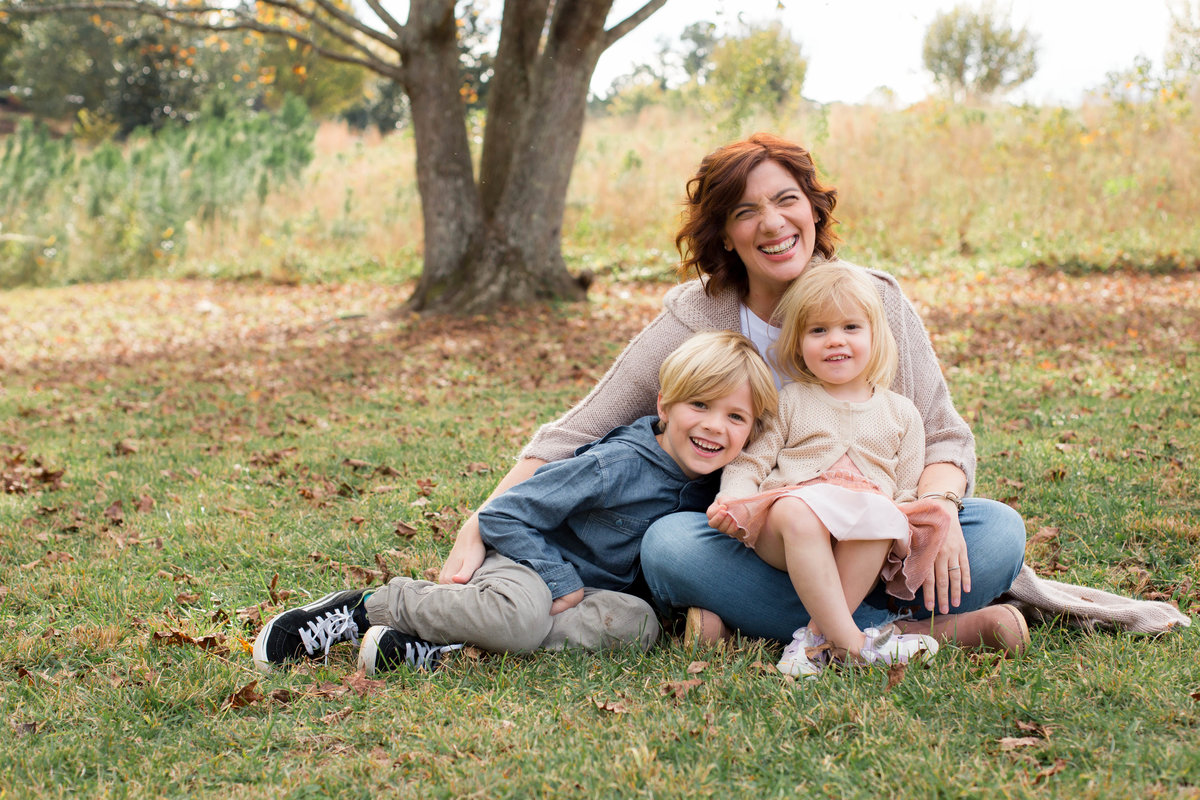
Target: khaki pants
{"x":506,"y":608}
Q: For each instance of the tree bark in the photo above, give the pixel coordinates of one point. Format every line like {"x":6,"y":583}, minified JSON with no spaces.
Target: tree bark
{"x":535,"y":121}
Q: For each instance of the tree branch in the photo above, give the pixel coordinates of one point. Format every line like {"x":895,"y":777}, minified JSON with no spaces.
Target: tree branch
{"x":232,"y":21}
{"x":632,"y":21}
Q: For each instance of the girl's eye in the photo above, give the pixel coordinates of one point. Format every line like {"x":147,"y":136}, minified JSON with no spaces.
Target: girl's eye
{"x":737,"y":418}
{"x":698,"y":405}
{"x":815,"y":331}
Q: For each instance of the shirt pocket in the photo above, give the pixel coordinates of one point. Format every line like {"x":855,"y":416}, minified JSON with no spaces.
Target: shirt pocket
{"x":614,"y":539}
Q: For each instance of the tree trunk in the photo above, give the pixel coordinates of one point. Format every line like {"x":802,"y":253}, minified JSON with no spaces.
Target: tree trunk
{"x":453,"y":218}
{"x":535,"y":120}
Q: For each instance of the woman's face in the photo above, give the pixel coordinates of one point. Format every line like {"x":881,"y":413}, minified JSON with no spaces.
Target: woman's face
{"x":773,"y":230}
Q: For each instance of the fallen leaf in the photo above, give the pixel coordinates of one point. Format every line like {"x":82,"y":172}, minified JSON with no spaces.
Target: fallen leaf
{"x":361,"y":685}
{"x":1058,"y":766}
{"x":336,"y":716}
{"x":125,"y":447}
{"x":895,"y":674}
{"x":115,"y":513}
{"x":245,"y":696}
{"x":404,"y":530}
{"x":1013,"y":742}
{"x":24,"y":728}
{"x":145,"y":504}
{"x":611,"y":706}
{"x":679,"y":688}
{"x":187,"y":598}
{"x":696,"y":667}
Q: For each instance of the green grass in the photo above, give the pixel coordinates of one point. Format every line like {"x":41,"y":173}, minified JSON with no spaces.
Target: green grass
{"x":279,"y":434}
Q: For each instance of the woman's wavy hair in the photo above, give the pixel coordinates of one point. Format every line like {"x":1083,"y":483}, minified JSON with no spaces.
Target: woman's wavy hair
{"x":718,"y":186}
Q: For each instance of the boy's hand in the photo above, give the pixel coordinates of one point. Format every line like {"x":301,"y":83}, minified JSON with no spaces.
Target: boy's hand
{"x":566,"y":601}
{"x":465,"y":556}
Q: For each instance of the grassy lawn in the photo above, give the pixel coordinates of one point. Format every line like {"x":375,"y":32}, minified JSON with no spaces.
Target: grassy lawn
{"x":180,"y":460}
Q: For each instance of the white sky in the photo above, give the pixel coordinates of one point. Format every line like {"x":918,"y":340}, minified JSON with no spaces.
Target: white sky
{"x":856,"y":46}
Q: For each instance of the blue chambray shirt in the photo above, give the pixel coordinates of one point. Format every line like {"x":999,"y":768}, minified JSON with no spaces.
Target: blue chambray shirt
{"x":579,"y":522}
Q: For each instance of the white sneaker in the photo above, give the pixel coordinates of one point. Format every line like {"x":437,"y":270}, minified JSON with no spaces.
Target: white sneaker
{"x":796,"y":660}
{"x":889,"y":646}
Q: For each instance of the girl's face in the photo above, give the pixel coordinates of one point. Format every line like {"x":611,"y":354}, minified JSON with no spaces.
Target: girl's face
{"x":836,"y":348}
{"x":702,"y":437}
{"x":772,"y":229}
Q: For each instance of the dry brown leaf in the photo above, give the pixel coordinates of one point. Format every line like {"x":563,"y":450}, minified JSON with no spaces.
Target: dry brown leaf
{"x":611,"y":706}
{"x":679,"y":688}
{"x":335,"y":717}
{"x":404,"y":530}
{"x":1013,"y":742}
{"x":895,"y":674}
{"x":1058,"y":766}
{"x":696,"y":667}
{"x":245,"y":696}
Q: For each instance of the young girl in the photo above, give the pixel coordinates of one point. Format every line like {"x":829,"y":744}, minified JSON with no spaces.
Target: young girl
{"x":816,"y":494}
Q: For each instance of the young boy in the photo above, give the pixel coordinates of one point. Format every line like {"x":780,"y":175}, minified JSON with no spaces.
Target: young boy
{"x":563,"y":545}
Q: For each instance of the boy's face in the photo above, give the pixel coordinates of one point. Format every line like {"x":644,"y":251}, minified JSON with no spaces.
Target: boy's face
{"x":703,"y":437}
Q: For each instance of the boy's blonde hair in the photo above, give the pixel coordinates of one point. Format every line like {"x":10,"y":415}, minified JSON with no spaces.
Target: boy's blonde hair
{"x":715,"y":364}
{"x":846,"y":289}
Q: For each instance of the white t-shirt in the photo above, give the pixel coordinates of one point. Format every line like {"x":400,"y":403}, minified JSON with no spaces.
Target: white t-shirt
{"x":763,"y":334}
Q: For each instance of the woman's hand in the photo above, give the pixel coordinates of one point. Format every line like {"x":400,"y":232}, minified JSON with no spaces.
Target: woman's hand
{"x":951,"y":574}
{"x":561,"y":604}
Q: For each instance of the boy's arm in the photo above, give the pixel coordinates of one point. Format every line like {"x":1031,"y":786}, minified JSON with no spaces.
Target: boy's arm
{"x":517,"y":523}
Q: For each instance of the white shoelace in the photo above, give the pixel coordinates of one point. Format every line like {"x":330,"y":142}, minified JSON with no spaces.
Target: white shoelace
{"x":421,"y":655}
{"x":332,"y":629}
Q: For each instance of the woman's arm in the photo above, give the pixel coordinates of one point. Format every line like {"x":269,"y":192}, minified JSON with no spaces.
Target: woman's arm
{"x":951,"y":574}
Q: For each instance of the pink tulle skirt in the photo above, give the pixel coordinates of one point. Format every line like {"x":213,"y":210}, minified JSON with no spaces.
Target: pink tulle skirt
{"x":852,"y":507}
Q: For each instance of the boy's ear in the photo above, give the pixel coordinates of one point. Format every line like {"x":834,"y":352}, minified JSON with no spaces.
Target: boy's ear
{"x":662,"y":410}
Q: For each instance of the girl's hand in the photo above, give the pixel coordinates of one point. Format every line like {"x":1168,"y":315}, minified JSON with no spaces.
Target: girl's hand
{"x":561,"y":604}
{"x":951,"y":574}
{"x":719,"y":519}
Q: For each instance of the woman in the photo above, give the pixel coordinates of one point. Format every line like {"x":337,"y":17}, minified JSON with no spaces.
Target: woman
{"x":757,"y":217}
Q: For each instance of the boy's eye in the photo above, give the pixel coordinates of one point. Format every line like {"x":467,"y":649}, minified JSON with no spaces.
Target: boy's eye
{"x":737,"y":417}
{"x":700,"y":405}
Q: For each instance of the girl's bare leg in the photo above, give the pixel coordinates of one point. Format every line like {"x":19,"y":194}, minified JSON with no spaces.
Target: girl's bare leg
{"x":859,"y":562}
{"x":794,"y":539}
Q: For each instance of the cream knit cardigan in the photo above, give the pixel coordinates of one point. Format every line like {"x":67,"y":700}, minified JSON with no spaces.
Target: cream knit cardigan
{"x":629,"y":390}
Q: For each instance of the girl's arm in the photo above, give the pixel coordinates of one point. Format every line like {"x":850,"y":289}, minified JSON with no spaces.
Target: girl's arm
{"x":911,"y":458}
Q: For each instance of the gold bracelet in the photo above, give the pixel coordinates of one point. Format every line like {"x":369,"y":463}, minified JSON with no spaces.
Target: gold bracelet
{"x":946,"y":495}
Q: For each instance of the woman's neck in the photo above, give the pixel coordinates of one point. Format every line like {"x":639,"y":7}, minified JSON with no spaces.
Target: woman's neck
{"x":762,"y":304}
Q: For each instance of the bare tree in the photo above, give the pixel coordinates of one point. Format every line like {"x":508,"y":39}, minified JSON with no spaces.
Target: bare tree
{"x":490,"y":241}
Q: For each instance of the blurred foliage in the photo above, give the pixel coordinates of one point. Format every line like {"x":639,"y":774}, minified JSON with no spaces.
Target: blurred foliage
{"x":975,"y":53}
{"x":760,"y":71}
{"x":123,"y":211}
{"x":290,"y":69}
{"x":131,"y":69}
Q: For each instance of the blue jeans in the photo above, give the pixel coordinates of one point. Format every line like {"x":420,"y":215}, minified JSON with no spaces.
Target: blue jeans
{"x":687,"y":563}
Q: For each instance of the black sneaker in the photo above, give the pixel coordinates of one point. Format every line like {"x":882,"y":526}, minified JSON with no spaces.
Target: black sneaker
{"x":385,"y":649}
{"x":308,"y":631}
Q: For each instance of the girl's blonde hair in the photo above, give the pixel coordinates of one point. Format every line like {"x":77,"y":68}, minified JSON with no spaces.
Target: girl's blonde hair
{"x":845,"y":289}
{"x":715,"y":364}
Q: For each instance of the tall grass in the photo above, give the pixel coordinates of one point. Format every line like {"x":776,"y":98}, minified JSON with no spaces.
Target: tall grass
{"x":70,"y":214}
{"x":1105,"y":186}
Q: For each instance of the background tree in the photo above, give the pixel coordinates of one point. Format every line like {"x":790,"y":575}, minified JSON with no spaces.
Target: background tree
{"x":490,"y":239}
{"x":762,"y":69}
{"x":975,"y":53}
{"x":1182,"y":58}
{"x":132,"y":71}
